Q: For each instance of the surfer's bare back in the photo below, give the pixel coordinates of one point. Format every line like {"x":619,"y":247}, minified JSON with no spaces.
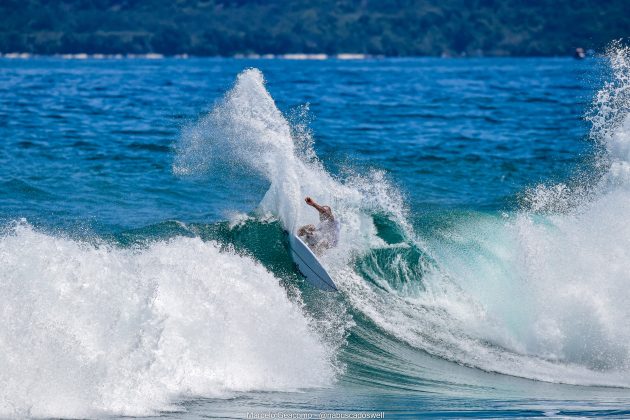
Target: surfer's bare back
{"x":326,"y":234}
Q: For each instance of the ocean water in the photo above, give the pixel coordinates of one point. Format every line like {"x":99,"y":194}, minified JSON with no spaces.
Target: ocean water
{"x":483,"y":262}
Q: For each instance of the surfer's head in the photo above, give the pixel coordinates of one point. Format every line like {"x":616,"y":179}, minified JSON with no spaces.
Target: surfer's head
{"x":326,"y":214}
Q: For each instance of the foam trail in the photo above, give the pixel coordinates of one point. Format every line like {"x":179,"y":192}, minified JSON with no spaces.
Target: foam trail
{"x":93,"y":329}
{"x":245,"y":134}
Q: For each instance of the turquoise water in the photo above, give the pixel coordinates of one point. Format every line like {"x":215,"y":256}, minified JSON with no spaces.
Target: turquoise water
{"x":482,"y":264}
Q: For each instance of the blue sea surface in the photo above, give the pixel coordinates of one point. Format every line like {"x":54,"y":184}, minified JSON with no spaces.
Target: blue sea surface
{"x":87,"y":141}
{"x":484,"y":253}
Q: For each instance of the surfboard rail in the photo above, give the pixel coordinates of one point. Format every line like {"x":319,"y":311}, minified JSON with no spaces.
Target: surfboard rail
{"x":309,"y":265}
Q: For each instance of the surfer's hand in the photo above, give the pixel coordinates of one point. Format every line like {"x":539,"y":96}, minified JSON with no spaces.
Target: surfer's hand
{"x":309,"y":201}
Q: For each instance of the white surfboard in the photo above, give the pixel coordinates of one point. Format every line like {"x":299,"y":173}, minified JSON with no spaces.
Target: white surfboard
{"x":309,"y":265}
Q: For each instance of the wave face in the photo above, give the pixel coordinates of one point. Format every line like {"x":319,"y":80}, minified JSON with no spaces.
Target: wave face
{"x":90,"y":329}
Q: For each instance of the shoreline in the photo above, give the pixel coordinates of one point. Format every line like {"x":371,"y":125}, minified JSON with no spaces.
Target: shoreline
{"x":290,"y":56}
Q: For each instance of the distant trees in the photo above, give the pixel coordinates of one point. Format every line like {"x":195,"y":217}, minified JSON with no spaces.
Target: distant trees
{"x":389,"y":27}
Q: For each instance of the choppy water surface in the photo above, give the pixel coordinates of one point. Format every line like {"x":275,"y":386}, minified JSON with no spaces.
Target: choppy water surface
{"x":484,"y":255}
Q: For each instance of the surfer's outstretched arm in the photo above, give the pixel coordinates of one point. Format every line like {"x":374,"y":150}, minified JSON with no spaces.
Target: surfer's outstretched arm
{"x":312,"y":203}
{"x":323,"y":210}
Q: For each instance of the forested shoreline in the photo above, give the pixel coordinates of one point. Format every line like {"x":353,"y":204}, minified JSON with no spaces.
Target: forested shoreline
{"x":387,"y":27}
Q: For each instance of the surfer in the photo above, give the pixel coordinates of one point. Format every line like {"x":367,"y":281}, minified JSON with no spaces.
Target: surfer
{"x":326,"y":234}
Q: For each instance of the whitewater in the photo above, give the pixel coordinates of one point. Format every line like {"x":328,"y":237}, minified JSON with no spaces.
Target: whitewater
{"x":456,"y":301}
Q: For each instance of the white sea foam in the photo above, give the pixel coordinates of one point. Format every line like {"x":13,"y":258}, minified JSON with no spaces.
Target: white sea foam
{"x":574,"y":266}
{"x":92,"y":329}
{"x":245,"y":134}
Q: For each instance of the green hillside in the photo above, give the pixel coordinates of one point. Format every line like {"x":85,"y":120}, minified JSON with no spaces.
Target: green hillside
{"x":388,"y":27}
